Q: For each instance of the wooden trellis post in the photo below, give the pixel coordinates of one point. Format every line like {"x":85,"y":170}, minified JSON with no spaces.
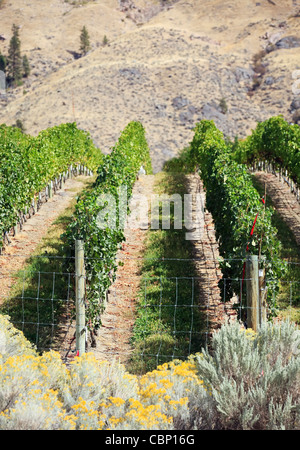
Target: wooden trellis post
{"x":252,"y":285}
{"x":80,"y":294}
{"x":256,"y":293}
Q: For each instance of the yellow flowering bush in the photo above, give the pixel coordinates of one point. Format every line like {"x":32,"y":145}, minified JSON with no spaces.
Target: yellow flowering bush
{"x":37,"y":408}
{"x":178,"y":390}
{"x":105,"y":396}
{"x":12,"y":341}
{"x":29,"y":394}
{"x":133,"y":415}
{"x":40,"y":392}
{"x":96,"y":381}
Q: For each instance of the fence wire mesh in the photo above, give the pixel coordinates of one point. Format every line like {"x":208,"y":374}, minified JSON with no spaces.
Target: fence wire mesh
{"x":163,"y":318}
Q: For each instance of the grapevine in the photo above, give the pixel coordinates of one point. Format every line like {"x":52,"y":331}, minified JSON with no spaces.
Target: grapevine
{"x":234,"y":203}
{"x":119,"y":169}
{"x":275,"y":141}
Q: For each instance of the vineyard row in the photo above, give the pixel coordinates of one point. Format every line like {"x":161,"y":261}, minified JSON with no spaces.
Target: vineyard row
{"x":31,"y":165}
{"x":119,"y":168}
{"x":243,"y":221}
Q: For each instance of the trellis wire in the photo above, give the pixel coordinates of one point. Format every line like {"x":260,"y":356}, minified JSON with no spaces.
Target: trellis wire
{"x":23,"y":301}
{"x":209,"y":308}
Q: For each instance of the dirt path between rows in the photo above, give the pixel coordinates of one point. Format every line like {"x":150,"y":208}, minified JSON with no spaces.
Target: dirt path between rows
{"x":206,"y":254}
{"x":25,"y":243}
{"x":113,"y":340}
{"x":283,"y":200}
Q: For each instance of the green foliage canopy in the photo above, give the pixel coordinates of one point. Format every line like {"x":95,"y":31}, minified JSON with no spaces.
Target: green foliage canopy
{"x":118,"y":169}
{"x":29,"y":163}
{"x":234,"y":203}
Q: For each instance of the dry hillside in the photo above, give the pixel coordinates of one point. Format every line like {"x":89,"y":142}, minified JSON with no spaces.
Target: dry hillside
{"x":167,"y":64}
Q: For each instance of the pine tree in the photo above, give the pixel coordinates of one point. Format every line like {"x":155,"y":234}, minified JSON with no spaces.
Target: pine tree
{"x":84,"y":41}
{"x":105,"y":40}
{"x":2,"y":62}
{"x":19,"y":124}
{"x":26,"y":67}
{"x":14,"y":59}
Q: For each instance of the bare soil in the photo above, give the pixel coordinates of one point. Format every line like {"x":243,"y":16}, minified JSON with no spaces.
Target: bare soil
{"x":283,"y":200}
{"x":206,"y":254}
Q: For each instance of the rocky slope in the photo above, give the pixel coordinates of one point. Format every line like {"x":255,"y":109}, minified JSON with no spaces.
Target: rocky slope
{"x":167,"y":64}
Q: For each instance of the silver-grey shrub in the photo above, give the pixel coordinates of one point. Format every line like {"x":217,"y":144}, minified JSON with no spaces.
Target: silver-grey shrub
{"x":253,"y":378}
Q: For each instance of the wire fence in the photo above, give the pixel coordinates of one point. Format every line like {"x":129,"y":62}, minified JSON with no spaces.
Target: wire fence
{"x":41,"y":305}
{"x":152,"y":319}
